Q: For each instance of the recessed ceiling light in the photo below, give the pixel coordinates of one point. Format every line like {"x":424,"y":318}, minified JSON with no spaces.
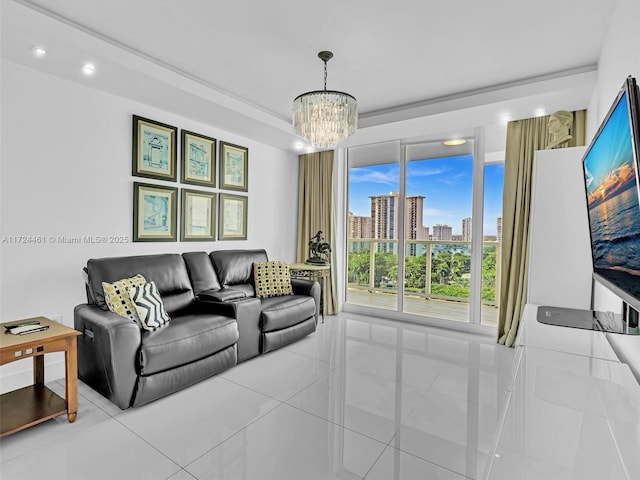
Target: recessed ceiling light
{"x":299,"y":145}
{"x":540,"y":112}
{"x":452,"y":143}
{"x":38,"y":51}
{"x":88,"y":69}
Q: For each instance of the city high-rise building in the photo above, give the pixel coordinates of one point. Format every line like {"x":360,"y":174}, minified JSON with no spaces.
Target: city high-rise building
{"x":384,"y":219}
{"x":414,"y":230}
{"x":499,"y":229}
{"x":413,"y":210}
{"x":442,"y":232}
{"x":384,"y":211}
{"x":466,"y":229}
{"x":359,"y":227}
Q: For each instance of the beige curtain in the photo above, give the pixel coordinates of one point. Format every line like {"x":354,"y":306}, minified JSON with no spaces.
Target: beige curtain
{"x":316,"y":212}
{"x":524,"y":137}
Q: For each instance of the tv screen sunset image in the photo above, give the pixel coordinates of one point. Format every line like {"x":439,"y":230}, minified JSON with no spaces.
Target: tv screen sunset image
{"x":612,"y":195}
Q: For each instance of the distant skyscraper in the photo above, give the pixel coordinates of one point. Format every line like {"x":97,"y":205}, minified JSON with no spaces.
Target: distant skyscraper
{"x":413,"y":210}
{"x":384,"y":210}
{"x":466,"y":229}
{"x":442,"y":232}
{"x":414,"y":230}
{"x":359,"y":226}
{"x":384,"y":219}
{"x":499,"y":229}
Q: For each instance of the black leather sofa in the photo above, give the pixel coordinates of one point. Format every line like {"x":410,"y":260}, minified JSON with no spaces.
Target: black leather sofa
{"x":216,"y":322}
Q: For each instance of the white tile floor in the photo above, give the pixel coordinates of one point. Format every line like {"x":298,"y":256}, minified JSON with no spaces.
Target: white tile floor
{"x":360,"y":398}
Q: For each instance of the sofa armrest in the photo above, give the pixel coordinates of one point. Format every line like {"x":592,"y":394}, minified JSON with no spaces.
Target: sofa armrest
{"x":221,"y":295}
{"x":248,"y":313}
{"x":107,"y":353}
{"x":302,"y":286}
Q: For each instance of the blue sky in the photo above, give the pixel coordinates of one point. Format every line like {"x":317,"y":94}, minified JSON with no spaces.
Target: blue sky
{"x":445,"y":182}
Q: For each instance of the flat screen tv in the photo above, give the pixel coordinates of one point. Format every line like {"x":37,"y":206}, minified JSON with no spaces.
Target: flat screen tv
{"x":611,"y":170}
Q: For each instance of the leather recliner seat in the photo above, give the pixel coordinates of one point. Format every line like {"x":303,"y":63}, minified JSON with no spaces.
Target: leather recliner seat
{"x":216,"y":322}
{"x":284,"y":319}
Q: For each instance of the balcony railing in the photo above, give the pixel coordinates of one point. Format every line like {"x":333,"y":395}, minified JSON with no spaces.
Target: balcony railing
{"x":434,"y":269}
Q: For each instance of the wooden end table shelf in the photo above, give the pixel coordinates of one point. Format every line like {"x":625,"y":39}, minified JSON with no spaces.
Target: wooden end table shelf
{"x":36,"y":403}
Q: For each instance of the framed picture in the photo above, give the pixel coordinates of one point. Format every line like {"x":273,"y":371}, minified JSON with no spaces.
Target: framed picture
{"x":154,"y":213}
{"x":154,"y":149}
{"x":198,"y":159}
{"x":198,"y":216}
{"x":233,"y":167}
{"x":232,"y":217}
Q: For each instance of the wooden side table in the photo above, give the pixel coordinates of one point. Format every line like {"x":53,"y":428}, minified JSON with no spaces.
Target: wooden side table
{"x":312,"y":272}
{"x":34,"y":404}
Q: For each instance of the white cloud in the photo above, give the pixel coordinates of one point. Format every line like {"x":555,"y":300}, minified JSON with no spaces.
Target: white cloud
{"x":373,"y":177}
{"x":427,"y":172}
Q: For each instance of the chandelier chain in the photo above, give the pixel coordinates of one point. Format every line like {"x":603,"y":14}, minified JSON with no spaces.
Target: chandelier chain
{"x":325,"y":75}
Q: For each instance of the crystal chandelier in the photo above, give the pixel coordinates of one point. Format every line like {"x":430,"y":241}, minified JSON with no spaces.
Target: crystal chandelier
{"x":325,"y":117}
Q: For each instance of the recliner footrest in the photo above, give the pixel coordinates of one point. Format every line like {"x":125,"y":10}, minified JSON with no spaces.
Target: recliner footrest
{"x":274,"y":340}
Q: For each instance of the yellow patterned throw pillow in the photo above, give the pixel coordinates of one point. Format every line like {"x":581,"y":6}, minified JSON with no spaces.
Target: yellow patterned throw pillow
{"x":272,"y":279}
{"x":116,"y":295}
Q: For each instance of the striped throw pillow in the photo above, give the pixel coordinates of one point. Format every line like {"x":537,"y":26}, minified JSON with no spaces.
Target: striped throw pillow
{"x":148,"y":304}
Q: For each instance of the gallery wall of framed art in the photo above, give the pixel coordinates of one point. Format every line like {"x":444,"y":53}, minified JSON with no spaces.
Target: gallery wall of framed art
{"x":200,"y":210}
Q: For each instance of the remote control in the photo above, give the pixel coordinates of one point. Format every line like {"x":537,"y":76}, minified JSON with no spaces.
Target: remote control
{"x":39,"y":329}
{"x":28,"y":329}
{"x":16,"y":325}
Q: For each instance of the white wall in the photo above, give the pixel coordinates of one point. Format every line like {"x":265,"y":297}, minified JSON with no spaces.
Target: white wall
{"x":559,"y":253}
{"x":66,"y":170}
{"x":619,"y":58}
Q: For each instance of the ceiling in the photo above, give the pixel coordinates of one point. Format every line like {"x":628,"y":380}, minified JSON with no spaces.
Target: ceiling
{"x":245,"y":61}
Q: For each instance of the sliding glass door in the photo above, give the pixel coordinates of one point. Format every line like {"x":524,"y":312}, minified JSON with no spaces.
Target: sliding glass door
{"x":373,"y":237}
{"x":492,"y":241}
{"x":437,"y":272}
{"x":423,"y":234}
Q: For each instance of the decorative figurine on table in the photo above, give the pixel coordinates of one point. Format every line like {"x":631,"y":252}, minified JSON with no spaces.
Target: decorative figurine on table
{"x":319,"y":250}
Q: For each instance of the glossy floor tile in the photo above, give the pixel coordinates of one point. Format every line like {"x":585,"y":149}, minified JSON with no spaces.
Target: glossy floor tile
{"x":360,"y":398}
{"x":369,"y":404}
{"x":289,"y":444}
{"x":106,"y":451}
{"x":213,"y":411}
{"x":394,"y":463}
{"x":452,"y":433}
